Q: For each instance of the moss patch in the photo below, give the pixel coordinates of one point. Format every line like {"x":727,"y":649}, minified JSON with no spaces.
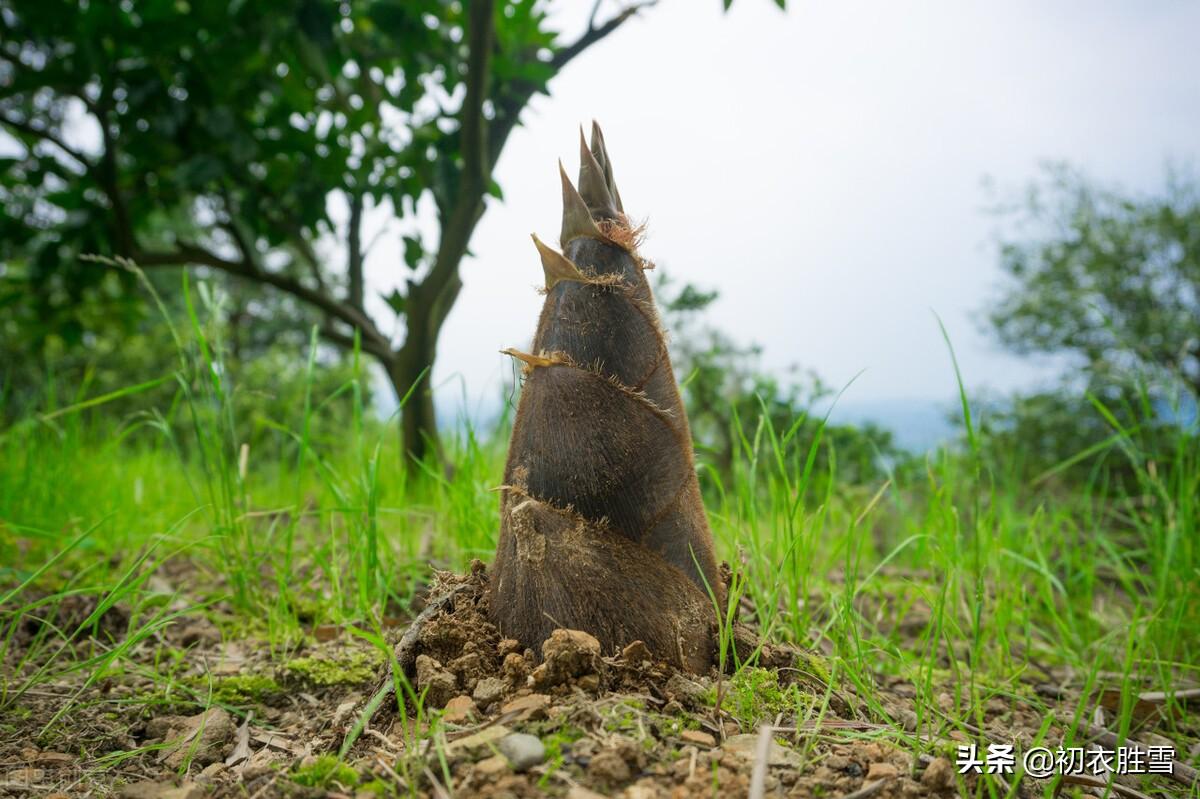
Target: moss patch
{"x":754,"y":695}
{"x":325,"y":772}
{"x":246,"y":689}
{"x":343,"y":668}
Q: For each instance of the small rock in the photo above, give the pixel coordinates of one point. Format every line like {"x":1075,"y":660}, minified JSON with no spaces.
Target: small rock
{"x":524,"y":751}
{"x":745,"y":746}
{"x":460,"y":709}
{"x":488,"y":690}
{"x":589,"y":682}
{"x":687,"y":692}
{"x":491,"y":766}
{"x":532,"y":707}
{"x":698,"y":737}
{"x":567,"y":654}
{"x":579,"y":792}
{"x":212,"y":771}
{"x":641,"y":791}
{"x":161,"y":790}
{"x":635,"y":653}
{"x":198,"y":739}
{"x":188,"y":790}
{"x":609,"y":767}
{"x":144,"y":790}
{"x":515,"y":668}
{"x":508,"y":646}
{"x":441,"y":684}
{"x":480,"y":740}
{"x":938,"y":774}
{"x":882,"y":771}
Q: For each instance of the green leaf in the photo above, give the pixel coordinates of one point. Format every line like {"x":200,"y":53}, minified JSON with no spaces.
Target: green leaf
{"x":396,"y":301}
{"x":414,"y":251}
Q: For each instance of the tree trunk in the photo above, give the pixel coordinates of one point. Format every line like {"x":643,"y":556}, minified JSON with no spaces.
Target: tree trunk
{"x":413,"y":365}
{"x":418,"y":425}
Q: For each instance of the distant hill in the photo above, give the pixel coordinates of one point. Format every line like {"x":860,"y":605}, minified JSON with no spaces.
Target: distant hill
{"x":918,"y":424}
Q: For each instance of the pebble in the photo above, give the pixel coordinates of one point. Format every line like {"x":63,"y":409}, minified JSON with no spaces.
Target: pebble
{"x":745,"y":746}
{"x":524,"y":751}
{"x":488,"y":690}
{"x":460,"y":709}
{"x":579,"y":792}
{"x":481,"y":739}
{"x":491,"y":766}
{"x":635,"y":653}
{"x":938,"y":774}
{"x":698,"y":737}
{"x":529,"y":707}
{"x":609,"y":767}
{"x":440,"y":685}
{"x":882,"y":771}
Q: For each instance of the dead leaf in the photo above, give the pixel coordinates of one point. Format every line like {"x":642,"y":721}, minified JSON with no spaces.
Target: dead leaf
{"x":241,"y":749}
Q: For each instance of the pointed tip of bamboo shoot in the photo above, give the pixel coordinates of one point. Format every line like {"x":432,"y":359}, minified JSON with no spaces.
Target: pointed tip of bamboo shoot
{"x":577,"y":219}
{"x":530,"y":360}
{"x":555,"y":265}
{"x":593,"y":186}
{"x":600,"y":153}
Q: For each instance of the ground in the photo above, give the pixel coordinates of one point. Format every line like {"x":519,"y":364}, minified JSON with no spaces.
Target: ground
{"x":484,"y":717}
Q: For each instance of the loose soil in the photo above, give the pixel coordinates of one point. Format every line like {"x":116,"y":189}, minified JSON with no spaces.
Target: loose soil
{"x":498,"y":720}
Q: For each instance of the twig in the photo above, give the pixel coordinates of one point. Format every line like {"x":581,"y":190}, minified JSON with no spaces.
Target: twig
{"x":1180,"y":772}
{"x":869,"y":789}
{"x":1096,"y":782}
{"x":762,"y":754}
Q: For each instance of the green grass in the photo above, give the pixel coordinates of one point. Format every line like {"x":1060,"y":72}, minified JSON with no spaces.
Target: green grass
{"x":952,"y":574}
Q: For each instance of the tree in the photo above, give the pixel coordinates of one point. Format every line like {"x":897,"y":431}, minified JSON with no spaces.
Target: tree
{"x":725,"y":387}
{"x":213,"y":134}
{"x":1113,"y":280}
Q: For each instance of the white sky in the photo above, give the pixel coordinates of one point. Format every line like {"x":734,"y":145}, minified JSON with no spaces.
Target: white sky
{"x":823,"y":169}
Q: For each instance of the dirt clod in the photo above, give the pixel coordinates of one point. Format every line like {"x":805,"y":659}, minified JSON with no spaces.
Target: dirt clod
{"x":488,"y":690}
{"x":636,"y":653}
{"x":460,"y":709}
{"x":882,"y":771}
{"x":441,"y":685}
{"x":529,"y":707}
{"x":745,"y":747}
{"x":939,"y":774}
{"x":698,"y":737}
{"x":567,"y":654}
{"x":609,"y":767}
{"x":199,"y":740}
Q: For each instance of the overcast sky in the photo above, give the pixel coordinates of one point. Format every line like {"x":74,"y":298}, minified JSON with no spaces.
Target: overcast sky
{"x":822,"y":167}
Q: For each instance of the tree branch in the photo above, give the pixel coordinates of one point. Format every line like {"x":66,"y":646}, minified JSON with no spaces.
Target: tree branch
{"x":430,"y":300}
{"x":594,"y":34}
{"x":191,"y":254}
{"x":347,"y":342}
{"x":47,"y":136}
{"x":508,"y":109}
{"x":109,"y":178}
{"x":354,"y":263}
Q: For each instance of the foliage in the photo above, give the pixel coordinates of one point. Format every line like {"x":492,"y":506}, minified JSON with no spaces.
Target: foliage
{"x":325,"y":771}
{"x":725,"y":388}
{"x":1113,"y":282}
{"x":1110,"y":279}
{"x":1064,"y":438}
{"x":344,"y":668}
{"x":149,"y":131}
